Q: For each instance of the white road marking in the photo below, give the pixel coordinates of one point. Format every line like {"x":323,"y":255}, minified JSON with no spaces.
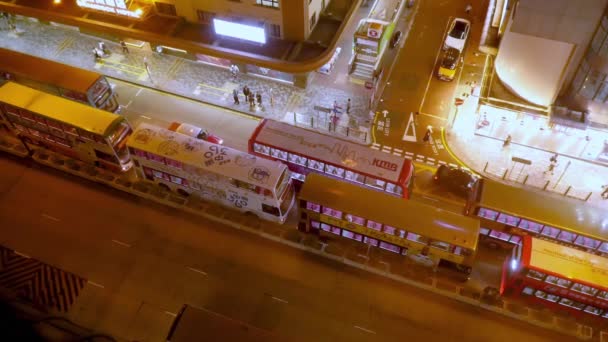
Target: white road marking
{"x":397,"y":150}
{"x":197,"y":271}
{"x":397,"y":153}
{"x":375,"y":147}
{"x":50,"y":217}
{"x":430,"y":159}
{"x":280,"y":300}
{"x":366,"y":330}
{"x":431,"y":199}
{"x":139,"y":91}
{"x":171,"y":313}
{"x":409,"y":153}
{"x":95,"y":284}
{"x":22,"y":254}
{"x":121,"y":243}
{"x":145,"y":117}
{"x":430,"y":162}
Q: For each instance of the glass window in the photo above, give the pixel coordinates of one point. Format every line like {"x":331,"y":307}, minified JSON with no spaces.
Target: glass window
{"x":440,"y":245}
{"x":325,"y":227}
{"x":268,"y":3}
{"x":355,"y":219}
{"x":157,"y":174}
{"x":603,"y":295}
{"x":484,"y":231}
{"x":586,"y":242}
{"x":313,"y":206}
{"x":375,"y":183}
{"x":296,"y":159}
{"x":332,"y":212}
{"x":176,"y":180}
{"x":279,"y":154}
{"x":515,"y":239}
{"x":389,"y":230}
{"x":261,"y":149}
{"x":604,"y":247}
{"x":487,"y":214}
{"x":588,"y":290}
{"x":69,"y":129}
{"x":572,"y":304}
{"x":391,"y":187}
{"x":540,"y":294}
{"x":566,"y":236}
{"x":536,"y":275}
{"x":354,"y":177}
{"x":592,"y":83}
{"x":173,"y":163}
{"x":550,"y":232}
{"x":334,"y":171}
{"x":370,"y":241}
{"x":599,"y":37}
{"x":389,"y":247}
{"x":577,"y":82}
{"x":500,"y":235}
{"x":374,"y":225}
{"x":530,"y":226}
{"x":270,"y":210}
{"x":351,"y":235}
{"x":508,"y":219}
{"x":593,"y":310}
{"x":316,"y":165}
{"x":417,"y":238}
{"x":558,"y":281}
{"x":528,"y":291}
{"x":156,"y":158}
{"x":335,"y":230}
{"x":602,"y":93}
{"x":401,"y":233}
{"x":315,"y":224}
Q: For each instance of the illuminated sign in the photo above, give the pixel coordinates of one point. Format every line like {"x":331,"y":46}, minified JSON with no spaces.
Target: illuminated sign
{"x":111,"y":6}
{"x":246,"y":32}
{"x":385,"y":164}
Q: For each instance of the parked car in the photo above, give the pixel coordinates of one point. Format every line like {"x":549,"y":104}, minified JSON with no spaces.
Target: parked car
{"x":457,"y":34}
{"x":195,"y":132}
{"x":449,"y":64}
{"x":458,"y":181}
{"x":396,"y":38}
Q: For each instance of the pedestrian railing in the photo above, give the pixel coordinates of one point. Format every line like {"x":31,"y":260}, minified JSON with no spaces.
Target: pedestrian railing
{"x":326,"y":125}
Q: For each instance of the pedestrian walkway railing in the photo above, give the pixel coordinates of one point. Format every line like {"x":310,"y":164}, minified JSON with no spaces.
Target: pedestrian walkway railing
{"x":539,"y":181}
{"x":327,"y":126}
{"x":377,"y":261}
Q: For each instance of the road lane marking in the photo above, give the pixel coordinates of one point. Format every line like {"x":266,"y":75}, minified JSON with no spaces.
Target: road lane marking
{"x":50,"y":217}
{"x":171,"y":313}
{"x":95,"y":284}
{"x":197,"y":271}
{"x":146,"y":117}
{"x":279,"y":300}
{"x":366,"y":330}
{"x":22,"y":255}
{"x":139,"y":91}
{"x":121,"y":243}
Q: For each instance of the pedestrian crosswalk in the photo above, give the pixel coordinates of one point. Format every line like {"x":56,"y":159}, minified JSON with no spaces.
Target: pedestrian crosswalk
{"x":419,"y":158}
{"x":37,"y":282}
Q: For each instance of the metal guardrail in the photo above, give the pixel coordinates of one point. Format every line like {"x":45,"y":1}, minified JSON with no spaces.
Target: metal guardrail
{"x":377,"y":262}
{"x":325,"y":125}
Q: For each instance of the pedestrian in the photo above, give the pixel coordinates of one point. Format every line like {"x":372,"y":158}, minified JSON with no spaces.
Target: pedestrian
{"x":334,"y":120}
{"x":507,"y":141}
{"x":96,"y":55}
{"x":103,"y":48}
{"x":553,"y":158}
{"x":251,"y":101}
{"x":147,"y":66}
{"x":348,"y":106}
{"x":246,"y":92}
{"x":468,"y":9}
{"x":258,"y":98}
{"x":337,"y":107}
{"x":271,"y":98}
{"x":605,"y":192}
{"x":235,"y":95}
{"x":124,"y":47}
{"x":551,"y":167}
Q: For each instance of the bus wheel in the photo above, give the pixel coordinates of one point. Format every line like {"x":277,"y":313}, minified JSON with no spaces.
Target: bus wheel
{"x":164,"y":186}
{"x":183,"y":192}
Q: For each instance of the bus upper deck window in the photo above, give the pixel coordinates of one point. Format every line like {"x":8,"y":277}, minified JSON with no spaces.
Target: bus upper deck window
{"x":262,"y":149}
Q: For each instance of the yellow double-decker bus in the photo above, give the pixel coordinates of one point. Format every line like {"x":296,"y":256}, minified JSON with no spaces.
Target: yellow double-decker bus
{"x":45,"y":121}
{"x":329,"y":206}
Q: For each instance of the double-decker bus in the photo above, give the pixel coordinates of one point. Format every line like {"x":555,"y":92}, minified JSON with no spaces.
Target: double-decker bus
{"x":45,"y":121}
{"x":217,"y":173}
{"x":507,"y":213}
{"x":200,"y":324}
{"x":557,"y":276}
{"x":58,"y":79}
{"x":329,"y":206}
{"x":306,"y":151}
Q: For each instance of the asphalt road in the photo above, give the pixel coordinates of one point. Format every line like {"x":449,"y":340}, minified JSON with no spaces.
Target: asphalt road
{"x":143,"y":261}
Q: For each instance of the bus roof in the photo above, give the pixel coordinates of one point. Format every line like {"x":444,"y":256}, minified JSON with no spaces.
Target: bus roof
{"x":199,"y":153}
{"x":47,"y":71}
{"x":410,"y":215}
{"x":57,"y":108}
{"x":333,"y":150}
{"x":569,"y":262}
{"x":199,"y":324}
{"x":560,"y":212}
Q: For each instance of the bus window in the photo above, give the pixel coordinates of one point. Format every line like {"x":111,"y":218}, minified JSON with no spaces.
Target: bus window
{"x":530,"y":226}
{"x":592,"y":310}
{"x":487,"y":214}
{"x":279,"y":154}
{"x":69,"y":129}
{"x":389,"y":247}
{"x":332,"y":212}
{"x":588,"y":290}
{"x":370,"y":241}
{"x":603,"y":295}
{"x":536,"y":275}
{"x":296,"y":159}
{"x":374,"y":225}
{"x":354,"y":177}
{"x":334,"y":171}
{"x":315,"y":224}
{"x":586,"y":242}
{"x":173,"y":163}
{"x":393,"y":189}
{"x":604,"y":247}
{"x":389,"y":230}
{"x":375,"y":183}
{"x":440,"y":245}
{"x":508,"y":219}
{"x":355,"y":219}
{"x":566,"y":236}
{"x":550,"y":232}
{"x":417,"y":238}
{"x":500,"y":235}
{"x":313,"y":206}
{"x":515,"y":239}
{"x":528,"y":291}
{"x":259,"y":148}
{"x":270,"y":209}
{"x":315,"y":165}
{"x":558,"y":281}
{"x":351,"y":235}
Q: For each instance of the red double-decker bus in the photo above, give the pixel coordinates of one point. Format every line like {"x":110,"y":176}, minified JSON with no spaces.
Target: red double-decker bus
{"x":557,"y":276}
{"x":305,"y":151}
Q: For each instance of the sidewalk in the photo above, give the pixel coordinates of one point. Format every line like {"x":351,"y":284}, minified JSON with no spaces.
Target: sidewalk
{"x":203,"y":82}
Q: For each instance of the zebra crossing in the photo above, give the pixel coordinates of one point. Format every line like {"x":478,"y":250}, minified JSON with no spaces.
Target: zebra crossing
{"x":418,"y":158}
{"x":37,"y":282}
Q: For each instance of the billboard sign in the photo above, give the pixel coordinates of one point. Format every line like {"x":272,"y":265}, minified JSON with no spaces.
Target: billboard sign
{"x":241,"y":31}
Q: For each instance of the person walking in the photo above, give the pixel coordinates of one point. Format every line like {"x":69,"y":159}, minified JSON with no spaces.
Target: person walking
{"x":235,"y":96}
{"x":147,"y":66}
{"x":605,"y":192}
{"x":258,"y":98}
{"x":348,"y":106}
{"x":124,"y":47}
{"x":96,"y":55}
{"x":468,"y":9}
{"x":507,"y":141}
{"x":251,"y":100}
{"x":246,"y":92}
{"x":271,"y":98}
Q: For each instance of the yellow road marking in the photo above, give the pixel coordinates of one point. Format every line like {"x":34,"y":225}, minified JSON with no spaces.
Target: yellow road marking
{"x":175,"y":67}
{"x":64,"y":45}
{"x":212,"y":87}
{"x":118,"y":66}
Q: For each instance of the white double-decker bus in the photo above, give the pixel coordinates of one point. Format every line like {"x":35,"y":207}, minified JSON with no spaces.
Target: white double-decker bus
{"x":214,"y":172}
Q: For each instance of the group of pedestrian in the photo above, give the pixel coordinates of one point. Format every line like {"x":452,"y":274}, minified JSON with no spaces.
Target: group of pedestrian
{"x":10,"y":20}
{"x":253,"y":98}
